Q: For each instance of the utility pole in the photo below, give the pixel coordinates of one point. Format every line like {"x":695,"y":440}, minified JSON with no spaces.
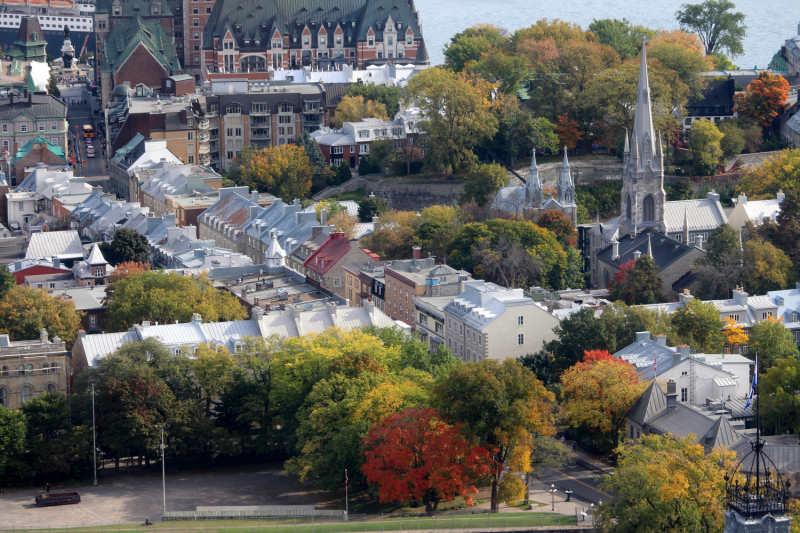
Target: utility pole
{"x":94,"y":437}
{"x":163,"y":470}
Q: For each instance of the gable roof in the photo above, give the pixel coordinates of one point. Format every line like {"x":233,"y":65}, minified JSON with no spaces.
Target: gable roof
{"x":127,"y":35}
{"x":331,"y":251}
{"x":65,"y":244}
{"x":666,"y":250}
{"x":701,"y":215}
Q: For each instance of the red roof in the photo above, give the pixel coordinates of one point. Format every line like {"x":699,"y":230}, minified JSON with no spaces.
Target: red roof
{"x":373,"y":255}
{"x":327,"y":255}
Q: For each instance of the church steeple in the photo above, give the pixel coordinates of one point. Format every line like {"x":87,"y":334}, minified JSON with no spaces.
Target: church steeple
{"x":534,"y":189}
{"x":644,"y":136}
{"x":566,"y":187}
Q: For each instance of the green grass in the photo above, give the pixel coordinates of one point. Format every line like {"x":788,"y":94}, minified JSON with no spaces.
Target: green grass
{"x":355,"y":525}
{"x":355,"y":195}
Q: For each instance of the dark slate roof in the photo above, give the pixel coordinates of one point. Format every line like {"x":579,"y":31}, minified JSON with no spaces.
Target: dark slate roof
{"x":649,"y":403}
{"x":27,"y":27}
{"x":127,"y":35}
{"x":717,"y":92}
{"x":784,"y":457}
{"x":259,"y":19}
{"x":684,"y":282}
{"x":721,"y":434}
{"x":682,"y":422}
{"x":666,"y":250}
{"x":54,"y":108}
{"x":334,"y":93}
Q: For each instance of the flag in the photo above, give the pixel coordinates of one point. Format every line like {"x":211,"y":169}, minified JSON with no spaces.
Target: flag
{"x":655,"y":367}
{"x":345,"y":478}
{"x":753,"y":386}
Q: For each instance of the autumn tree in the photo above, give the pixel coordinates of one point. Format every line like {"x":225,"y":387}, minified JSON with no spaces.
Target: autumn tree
{"x":779,"y":172}
{"x":125,"y":269}
{"x":7,"y":281}
{"x":166,"y":297}
{"x":698,"y":325}
{"x":25,"y":312}
{"x":538,"y":52}
{"x":482,"y":183}
{"x":127,"y":245}
{"x":704,"y":142}
{"x":356,"y":108}
{"x":213,"y":368}
{"x":560,"y":225}
{"x":415,"y":455}
{"x":763,"y":99}
{"x":284,"y":171}
{"x":568,"y":131}
{"x":784,"y":233}
{"x":499,"y":403}
{"x":598,"y":393}
{"x":666,"y":484}
{"x":720,"y":29}
{"x":387,"y":95}
{"x":581,"y":60}
{"x":638,"y":282}
{"x":766,"y":268}
{"x":392,"y":238}
{"x":772,"y":341}
{"x":469,"y":45}
{"x":456,"y":118}
{"x":344,"y":223}
{"x":556,"y":30}
{"x":734,"y":334}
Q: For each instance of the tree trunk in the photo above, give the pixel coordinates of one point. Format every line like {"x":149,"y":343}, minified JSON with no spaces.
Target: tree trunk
{"x":527,"y":488}
{"x":116,"y":463}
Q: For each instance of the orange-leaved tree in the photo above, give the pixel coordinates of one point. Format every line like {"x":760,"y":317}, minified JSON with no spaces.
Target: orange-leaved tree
{"x":558,"y":223}
{"x":125,"y":269}
{"x":763,"y":98}
{"x":599,"y":391}
{"x":568,"y":131}
{"x":414,"y":454}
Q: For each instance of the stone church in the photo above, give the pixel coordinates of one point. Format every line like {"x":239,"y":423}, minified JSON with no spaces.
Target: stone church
{"x":672,"y":233}
{"x":517,"y":200}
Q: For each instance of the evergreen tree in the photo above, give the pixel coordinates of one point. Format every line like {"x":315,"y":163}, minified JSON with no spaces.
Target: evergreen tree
{"x":371,"y":206}
{"x":313,"y":151}
{"x":128,"y":245}
{"x":345,"y":173}
{"x":639,"y":283}
{"x":364,"y":166}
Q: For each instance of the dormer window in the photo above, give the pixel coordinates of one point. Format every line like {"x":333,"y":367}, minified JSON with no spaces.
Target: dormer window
{"x":322,"y":41}
{"x":388,"y":27}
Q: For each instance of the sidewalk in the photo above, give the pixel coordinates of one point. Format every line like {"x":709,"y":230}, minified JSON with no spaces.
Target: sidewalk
{"x":590,"y":462}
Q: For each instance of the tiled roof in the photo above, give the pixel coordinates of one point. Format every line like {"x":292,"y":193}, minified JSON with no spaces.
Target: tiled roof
{"x":703,"y":214}
{"x":331,"y":251}
{"x":55,"y":244}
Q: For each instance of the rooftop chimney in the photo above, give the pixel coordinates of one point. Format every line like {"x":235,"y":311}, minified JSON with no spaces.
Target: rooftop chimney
{"x":254,"y":196}
{"x":415,"y":253}
{"x":661,"y":339}
{"x":636,"y":255}
{"x":676,"y":358}
{"x":685,"y":297}
{"x":197,"y":319}
{"x":683,"y":349}
{"x":742,"y":199}
{"x":739,"y":296}
{"x":698,"y":240}
{"x":780,"y":196}
{"x":614,"y":250}
{"x":56,"y":262}
{"x":672,"y":395}
{"x":323,"y":217}
{"x":713,"y":196}
{"x":642,"y":336}
{"x":43,"y":335}
{"x":256,"y":314}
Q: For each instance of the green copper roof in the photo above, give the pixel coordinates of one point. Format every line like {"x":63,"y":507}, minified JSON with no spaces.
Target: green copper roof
{"x":128,"y":34}
{"x":125,"y":150}
{"x":132,"y":8}
{"x":25,"y":150}
{"x":252,"y":20}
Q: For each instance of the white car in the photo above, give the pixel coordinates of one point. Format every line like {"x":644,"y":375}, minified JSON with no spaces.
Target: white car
{"x":90,"y":153}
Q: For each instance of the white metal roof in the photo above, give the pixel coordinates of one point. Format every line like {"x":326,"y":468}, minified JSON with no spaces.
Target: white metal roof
{"x":64,"y":244}
{"x":704,"y":214}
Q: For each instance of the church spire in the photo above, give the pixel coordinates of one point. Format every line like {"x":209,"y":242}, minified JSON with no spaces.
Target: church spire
{"x":535,"y":191}
{"x":643,"y":134}
{"x":566,"y":188}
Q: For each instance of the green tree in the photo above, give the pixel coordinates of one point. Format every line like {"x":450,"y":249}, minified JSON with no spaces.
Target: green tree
{"x":781,"y":171}
{"x":666,"y":484}
{"x":468,"y":45}
{"x":733,"y":141}
{"x":502,"y":70}
{"x":543,"y":365}
{"x":166,"y":297}
{"x":785,"y":232}
{"x":372,"y":206}
{"x":55,"y":448}
{"x":313,"y":151}
{"x":778,"y":400}
{"x":387,"y":95}
{"x":580,"y":332}
{"x":719,"y":29}
{"x":621,"y":35}
{"x":356,"y":108}
{"x":382,"y":155}
{"x":212,"y":367}
{"x":52,"y":87}
{"x":704,"y":142}
{"x":556,"y":30}
{"x":687,"y":62}
{"x":456,"y":118}
{"x":500,"y":403}
{"x":622,"y":322}
{"x":25,"y":312}
{"x":12,"y":445}
{"x":720,"y":271}
{"x":766,"y":268}
{"x":772,"y":341}
{"x":483,"y":182}
{"x":127,"y":245}
{"x":698,"y":325}
{"x":345,"y":174}
{"x":639,"y":283}
{"x":7,"y":281}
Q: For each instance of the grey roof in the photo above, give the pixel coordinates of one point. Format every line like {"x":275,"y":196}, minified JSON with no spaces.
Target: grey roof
{"x":666,"y":250}
{"x":705,"y":214}
{"x":642,"y":355}
{"x":50,"y":108}
{"x":721,"y":434}
{"x":649,"y":403}
{"x":786,"y":458}
{"x":65,"y":244}
{"x":681,"y":422}
{"x":86,"y":298}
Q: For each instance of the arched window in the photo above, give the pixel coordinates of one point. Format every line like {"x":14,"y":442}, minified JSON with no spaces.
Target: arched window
{"x":233,"y":108}
{"x":628,"y":207}
{"x":21,"y":370}
{"x":45,"y":368}
{"x":30,"y":369}
{"x":51,"y":389}
{"x":26,"y":393}
{"x":647,"y":153}
{"x":649,"y":209}
{"x":5,"y":372}
{"x":53,"y":367}
{"x":4,"y":397}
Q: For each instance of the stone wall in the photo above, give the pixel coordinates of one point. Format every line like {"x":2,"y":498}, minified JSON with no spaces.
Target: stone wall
{"x":414,"y":194}
{"x":748,"y":160}
{"x":584,"y":171}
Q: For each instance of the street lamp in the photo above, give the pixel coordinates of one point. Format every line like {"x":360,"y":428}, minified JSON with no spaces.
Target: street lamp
{"x":94,"y":436}
{"x":163,"y":470}
{"x":553,"y":491}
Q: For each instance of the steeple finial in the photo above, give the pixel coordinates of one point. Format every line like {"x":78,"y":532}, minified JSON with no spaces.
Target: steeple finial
{"x":643,"y":119}
{"x":649,"y":246}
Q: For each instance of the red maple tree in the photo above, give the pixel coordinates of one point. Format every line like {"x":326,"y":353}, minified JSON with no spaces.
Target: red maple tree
{"x":568,"y":131}
{"x":764,"y":97}
{"x":415,"y":455}
{"x":558,"y":223}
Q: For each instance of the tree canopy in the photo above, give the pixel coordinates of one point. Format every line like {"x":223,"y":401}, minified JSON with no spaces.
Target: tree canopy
{"x":127,"y":245}
{"x":284,"y":171}
{"x":25,"y":312}
{"x":763,"y":99}
{"x":720,"y":29}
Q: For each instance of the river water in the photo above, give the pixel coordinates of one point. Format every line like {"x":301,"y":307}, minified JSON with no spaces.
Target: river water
{"x":769,"y":22}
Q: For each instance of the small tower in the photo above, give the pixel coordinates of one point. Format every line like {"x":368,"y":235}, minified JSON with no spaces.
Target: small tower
{"x":566,"y":188}
{"x":275,"y":255}
{"x":534,"y":191}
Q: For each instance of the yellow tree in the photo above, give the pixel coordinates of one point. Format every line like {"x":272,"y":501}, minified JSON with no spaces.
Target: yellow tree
{"x":598,"y":393}
{"x":284,"y":171}
{"x":734,"y":334}
{"x":781,"y":171}
{"x":667,"y":484}
{"x":354,"y":108}
{"x":25,"y":311}
{"x":704,"y":141}
{"x":212,"y":367}
{"x":345,"y":223}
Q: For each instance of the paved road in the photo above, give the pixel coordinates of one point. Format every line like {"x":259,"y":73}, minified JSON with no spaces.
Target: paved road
{"x":584,"y":483}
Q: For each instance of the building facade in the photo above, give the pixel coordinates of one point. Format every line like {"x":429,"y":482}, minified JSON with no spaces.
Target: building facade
{"x":33,"y":367}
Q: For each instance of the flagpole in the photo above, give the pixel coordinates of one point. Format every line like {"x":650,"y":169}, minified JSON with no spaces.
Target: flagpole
{"x":758,"y":431}
{"x":346,"y":503}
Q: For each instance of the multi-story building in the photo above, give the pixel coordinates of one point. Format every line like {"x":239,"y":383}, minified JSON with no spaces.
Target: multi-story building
{"x":39,"y":151}
{"x":487,"y":321}
{"x":289,"y":224}
{"x":408,"y":278}
{"x":33,"y":114}
{"x":322,"y":35}
{"x":137,"y":154}
{"x":226,"y":221}
{"x":177,"y":180}
{"x":326,"y":265}
{"x":430,"y":319}
{"x":359,"y":282}
{"x":32,"y":367}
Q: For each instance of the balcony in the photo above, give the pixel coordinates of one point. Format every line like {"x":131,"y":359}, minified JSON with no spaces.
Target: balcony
{"x":257,"y":134}
{"x":203,"y":148}
{"x":205,"y":160}
{"x":204,"y":137}
{"x":203,"y":124}
{"x":264,"y":113}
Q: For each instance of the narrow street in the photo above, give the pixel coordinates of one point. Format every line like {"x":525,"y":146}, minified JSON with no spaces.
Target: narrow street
{"x":583,"y":482}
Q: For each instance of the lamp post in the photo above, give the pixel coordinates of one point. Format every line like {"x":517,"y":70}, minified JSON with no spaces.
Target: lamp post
{"x":553,"y":491}
{"x":163,"y":470}
{"x":591,"y":508}
{"x":94,"y":436}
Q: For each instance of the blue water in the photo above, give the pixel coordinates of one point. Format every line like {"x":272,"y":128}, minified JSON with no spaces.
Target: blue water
{"x":769,"y":22}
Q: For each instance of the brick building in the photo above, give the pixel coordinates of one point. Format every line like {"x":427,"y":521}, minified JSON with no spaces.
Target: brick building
{"x":29,"y":368}
{"x":326,"y":265}
{"x":39,"y":150}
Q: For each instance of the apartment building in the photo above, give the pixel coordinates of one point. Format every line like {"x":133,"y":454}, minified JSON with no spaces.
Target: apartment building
{"x":487,"y":321}
{"x":177,"y":180}
{"x":359,"y":284}
{"x":29,"y":368}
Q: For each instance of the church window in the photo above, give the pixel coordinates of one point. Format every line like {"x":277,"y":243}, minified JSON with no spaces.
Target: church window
{"x":606,"y":278}
{"x":646,"y":149}
{"x":628,"y":207}
{"x":649,"y":209}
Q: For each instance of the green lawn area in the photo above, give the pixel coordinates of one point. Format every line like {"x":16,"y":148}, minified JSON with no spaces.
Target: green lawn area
{"x":357,"y":524}
{"x":356,"y":195}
